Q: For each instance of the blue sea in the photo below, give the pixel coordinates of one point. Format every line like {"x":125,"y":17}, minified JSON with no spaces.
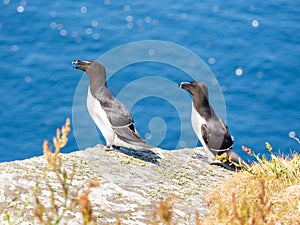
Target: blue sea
{"x":248,"y":53}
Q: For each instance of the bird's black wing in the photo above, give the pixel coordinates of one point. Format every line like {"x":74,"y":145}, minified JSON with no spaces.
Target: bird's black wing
{"x":121,"y":121}
{"x":131,"y":136}
{"x":216,"y":136}
{"x":227,"y":139}
{"x":205,"y":131}
{"x":117,"y":113}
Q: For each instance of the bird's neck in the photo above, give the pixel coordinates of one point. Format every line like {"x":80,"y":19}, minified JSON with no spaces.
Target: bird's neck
{"x":97,"y":85}
{"x":203,"y":107}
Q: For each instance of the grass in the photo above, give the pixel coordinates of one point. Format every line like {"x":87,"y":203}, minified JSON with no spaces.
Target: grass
{"x":61,"y":200}
{"x":266,"y":193}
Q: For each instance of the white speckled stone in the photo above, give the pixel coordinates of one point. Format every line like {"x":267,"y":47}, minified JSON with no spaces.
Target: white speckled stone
{"x":133,"y":182}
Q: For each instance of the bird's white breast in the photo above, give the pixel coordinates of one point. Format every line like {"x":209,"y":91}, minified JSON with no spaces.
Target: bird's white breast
{"x":197,"y":122}
{"x":100,"y":118}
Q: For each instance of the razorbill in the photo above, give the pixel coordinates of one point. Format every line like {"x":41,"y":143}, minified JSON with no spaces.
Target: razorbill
{"x":209,"y":128}
{"x":110,"y":115}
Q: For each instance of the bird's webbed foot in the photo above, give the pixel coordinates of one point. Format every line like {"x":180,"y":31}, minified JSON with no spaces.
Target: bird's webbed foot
{"x":111,"y":147}
{"x":108,"y":148}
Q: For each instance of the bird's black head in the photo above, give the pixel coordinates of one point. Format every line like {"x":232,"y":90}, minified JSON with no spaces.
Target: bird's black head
{"x":95,"y":70}
{"x":194,"y":87}
{"x":82,"y":65}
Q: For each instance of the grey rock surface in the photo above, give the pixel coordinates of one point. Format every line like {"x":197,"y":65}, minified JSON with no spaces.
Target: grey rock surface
{"x":132,"y":184}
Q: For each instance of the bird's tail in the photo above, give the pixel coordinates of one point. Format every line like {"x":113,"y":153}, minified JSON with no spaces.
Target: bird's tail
{"x":138,"y":145}
{"x":236,"y":159}
{"x":129,"y":139}
{"x":142,"y":144}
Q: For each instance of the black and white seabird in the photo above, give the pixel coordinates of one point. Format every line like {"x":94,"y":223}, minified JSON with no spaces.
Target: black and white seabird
{"x":110,"y":115}
{"x":209,"y":128}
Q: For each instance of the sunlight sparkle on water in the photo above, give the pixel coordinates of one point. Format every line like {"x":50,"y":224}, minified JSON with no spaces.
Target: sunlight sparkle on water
{"x":94,"y":23}
{"x":155,"y":22}
{"x":292,"y":134}
{"x":20,"y":9}
{"x":216,"y":9}
{"x":239,"y":71}
{"x":255,"y":23}
{"x":184,"y":16}
{"x":211,"y":60}
{"x":83,"y":9}
{"x":74,"y":34}
{"x":260,"y":74}
{"x":53,"y":25}
{"x":96,"y":36}
{"x":141,"y":28}
{"x":79,"y":39}
{"x":59,"y":26}
{"x":148,"y":19}
{"x":107,"y":2}
{"x":139,"y":22}
{"x":88,"y":31}
{"x":28,"y":79}
{"x":130,"y":25}
{"x":151,"y":52}
{"x":63,"y":33}
{"x":129,"y":19}
{"x":14,"y":48}
{"x":53,"y":14}
{"x":252,"y":8}
{"x":126,"y":8}
{"x":23,"y":3}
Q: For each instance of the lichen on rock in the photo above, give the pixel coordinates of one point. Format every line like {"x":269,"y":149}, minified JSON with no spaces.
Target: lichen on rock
{"x":132,"y":183}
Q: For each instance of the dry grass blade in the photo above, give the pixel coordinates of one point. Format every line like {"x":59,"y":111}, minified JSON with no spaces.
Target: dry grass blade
{"x":163,"y":213}
{"x":259,"y":194}
{"x":61,"y":199}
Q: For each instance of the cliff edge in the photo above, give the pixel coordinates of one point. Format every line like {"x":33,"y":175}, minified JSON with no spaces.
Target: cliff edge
{"x":132,"y":183}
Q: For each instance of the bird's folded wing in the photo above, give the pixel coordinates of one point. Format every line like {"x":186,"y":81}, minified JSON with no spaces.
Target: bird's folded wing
{"x":216,"y":138}
{"x":117,"y":113}
{"x":128,"y":134}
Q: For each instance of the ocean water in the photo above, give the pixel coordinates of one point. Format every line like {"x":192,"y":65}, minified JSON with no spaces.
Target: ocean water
{"x":247,"y":52}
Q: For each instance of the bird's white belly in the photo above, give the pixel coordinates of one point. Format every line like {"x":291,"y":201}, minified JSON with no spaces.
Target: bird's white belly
{"x":100,"y":118}
{"x":197,"y":122}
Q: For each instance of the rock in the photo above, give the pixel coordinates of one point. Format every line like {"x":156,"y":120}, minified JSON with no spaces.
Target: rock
{"x":132,"y":184}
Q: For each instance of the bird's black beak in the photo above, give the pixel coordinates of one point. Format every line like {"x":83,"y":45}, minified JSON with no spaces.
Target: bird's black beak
{"x":81,"y":65}
{"x":184,"y":85}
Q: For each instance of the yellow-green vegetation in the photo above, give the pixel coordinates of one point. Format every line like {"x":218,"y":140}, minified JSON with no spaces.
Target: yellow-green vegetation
{"x":61,"y":199}
{"x":266,"y":193}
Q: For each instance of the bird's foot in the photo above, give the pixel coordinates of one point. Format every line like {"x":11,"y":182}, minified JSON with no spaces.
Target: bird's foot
{"x":116,"y":147}
{"x":111,"y":147}
{"x":228,"y":164}
{"x":108,"y":148}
